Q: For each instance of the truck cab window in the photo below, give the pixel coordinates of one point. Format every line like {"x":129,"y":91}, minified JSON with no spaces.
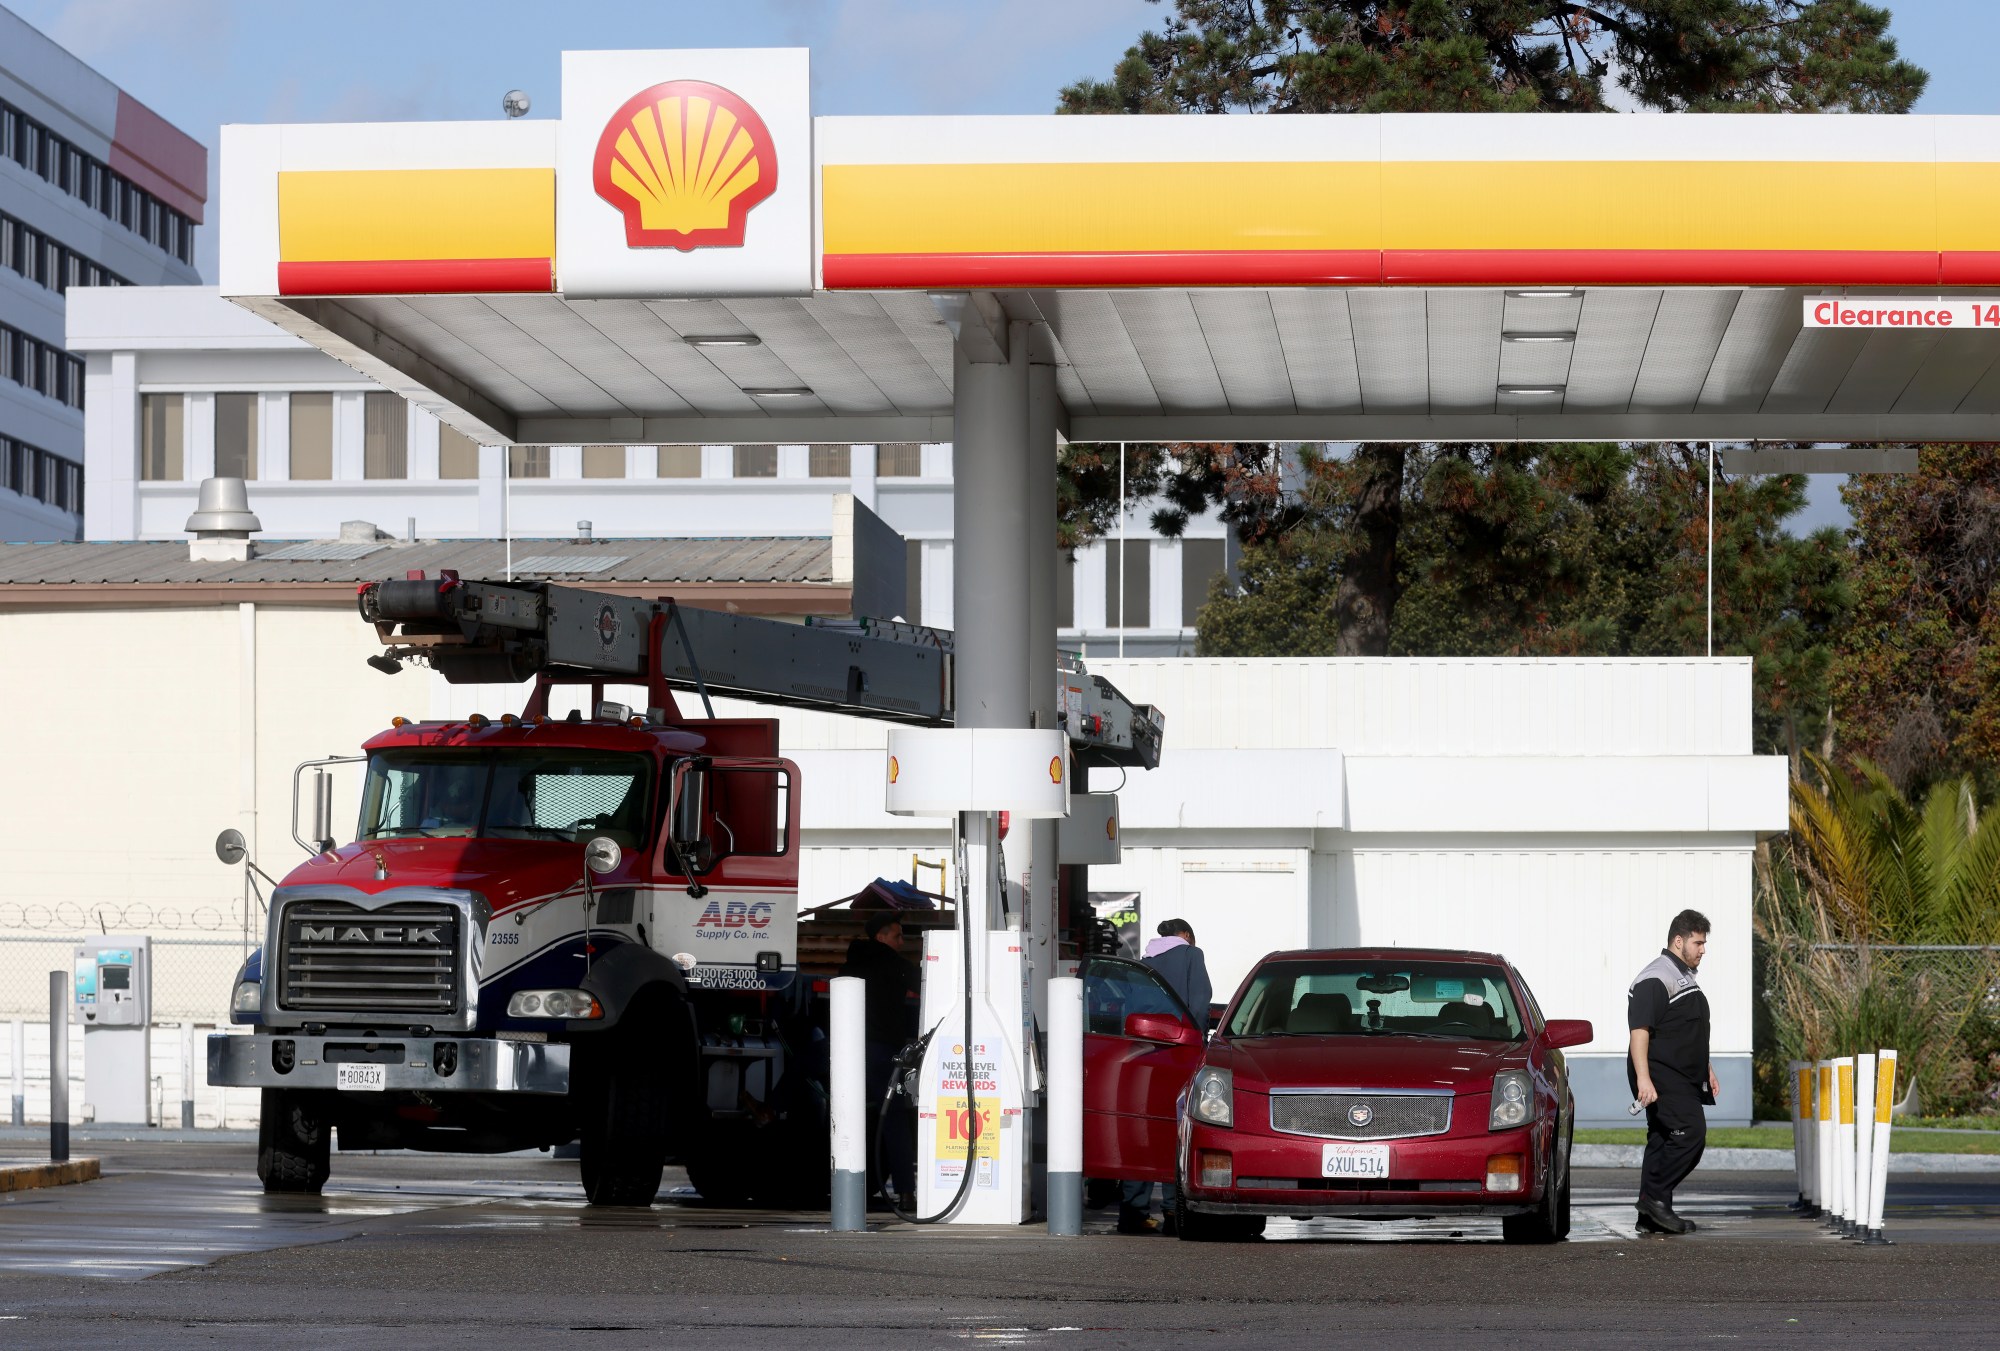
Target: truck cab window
{"x":523,"y":795}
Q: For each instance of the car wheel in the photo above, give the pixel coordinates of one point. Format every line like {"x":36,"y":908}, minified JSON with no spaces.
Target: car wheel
{"x":1194,"y":1227}
{"x":1547,"y":1222}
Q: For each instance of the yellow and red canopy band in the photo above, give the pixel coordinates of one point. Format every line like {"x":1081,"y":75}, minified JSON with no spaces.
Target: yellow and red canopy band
{"x":416,"y":231}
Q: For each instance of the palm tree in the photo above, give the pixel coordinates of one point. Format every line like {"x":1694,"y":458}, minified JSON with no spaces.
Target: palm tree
{"x":1880,"y":925}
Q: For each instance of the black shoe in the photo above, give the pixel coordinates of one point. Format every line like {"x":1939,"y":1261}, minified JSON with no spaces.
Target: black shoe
{"x":1661,"y":1218}
{"x":1138,"y":1224}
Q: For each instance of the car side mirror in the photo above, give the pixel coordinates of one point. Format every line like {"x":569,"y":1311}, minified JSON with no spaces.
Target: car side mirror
{"x":1166,"y":1028}
{"x":1568,"y":1032}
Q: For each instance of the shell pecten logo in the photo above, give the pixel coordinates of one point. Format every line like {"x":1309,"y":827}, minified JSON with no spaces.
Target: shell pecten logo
{"x":684,"y":162}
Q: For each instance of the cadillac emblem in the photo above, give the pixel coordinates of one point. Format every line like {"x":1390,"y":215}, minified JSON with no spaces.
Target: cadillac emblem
{"x":1360,"y":1114}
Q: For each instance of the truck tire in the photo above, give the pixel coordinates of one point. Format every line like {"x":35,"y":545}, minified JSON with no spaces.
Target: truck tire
{"x":624,"y":1136}
{"x":294,"y":1141}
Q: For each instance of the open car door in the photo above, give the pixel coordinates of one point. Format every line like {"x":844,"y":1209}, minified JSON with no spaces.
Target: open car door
{"x":1141,"y":1045}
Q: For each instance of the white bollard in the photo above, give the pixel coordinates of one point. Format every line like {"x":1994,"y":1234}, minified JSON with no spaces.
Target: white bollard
{"x":1801,"y":1100}
{"x":847,"y":1094}
{"x":187,"y":1075}
{"x":1885,"y":1102}
{"x":1065,"y":1106}
{"x":20,"y":1064}
{"x":1844,"y":1176}
{"x":1823,"y":1141}
{"x":1809,"y":1134}
{"x":1864,"y":1139}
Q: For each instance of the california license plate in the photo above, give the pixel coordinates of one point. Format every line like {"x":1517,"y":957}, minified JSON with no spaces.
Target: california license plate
{"x":1356,"y":1161}
{"x":370,"y":1079}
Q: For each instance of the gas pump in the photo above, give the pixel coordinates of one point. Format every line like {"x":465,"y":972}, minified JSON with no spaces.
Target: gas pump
{"x":979,"y":1074}
{"x":112,"y":1001}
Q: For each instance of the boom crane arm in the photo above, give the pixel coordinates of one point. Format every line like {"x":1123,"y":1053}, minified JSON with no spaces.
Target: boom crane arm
{"x":475,"y":632}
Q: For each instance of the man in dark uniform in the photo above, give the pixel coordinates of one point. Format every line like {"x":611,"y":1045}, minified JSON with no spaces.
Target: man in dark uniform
{"x":1669,"y":1070}
{"x":893,"y":989}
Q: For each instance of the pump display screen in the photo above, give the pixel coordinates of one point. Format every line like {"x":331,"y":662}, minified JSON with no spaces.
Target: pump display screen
{"x":114,"y":977}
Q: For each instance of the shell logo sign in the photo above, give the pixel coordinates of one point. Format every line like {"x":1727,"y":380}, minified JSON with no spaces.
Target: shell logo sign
{"x":685,"y":174}
{"x":685,"y":162}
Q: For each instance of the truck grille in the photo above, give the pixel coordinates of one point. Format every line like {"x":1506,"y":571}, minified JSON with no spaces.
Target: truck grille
{"x":339,"y":958}
{"x":1361,"y":1116}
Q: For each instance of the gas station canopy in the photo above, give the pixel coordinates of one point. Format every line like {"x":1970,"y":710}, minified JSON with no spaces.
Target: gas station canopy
{"x":688,"y":255}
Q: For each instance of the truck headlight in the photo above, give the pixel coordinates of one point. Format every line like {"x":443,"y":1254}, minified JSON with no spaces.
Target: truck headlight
{"x":1214,"y":1098}
{"x":554,"y":1004}
{"x":249,"y":997}
{"x":1511,"y":1099}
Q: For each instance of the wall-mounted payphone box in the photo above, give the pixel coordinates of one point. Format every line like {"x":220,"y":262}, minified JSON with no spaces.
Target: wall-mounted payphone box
{"x":113,"y":985}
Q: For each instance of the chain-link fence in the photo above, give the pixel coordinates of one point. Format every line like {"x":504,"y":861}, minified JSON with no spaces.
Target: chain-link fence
{"x":1938,"y":1004}
{"x":192,"y":980}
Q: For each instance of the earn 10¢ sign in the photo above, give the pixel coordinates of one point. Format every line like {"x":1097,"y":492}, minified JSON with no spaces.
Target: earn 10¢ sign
{"x":1901,"y":312}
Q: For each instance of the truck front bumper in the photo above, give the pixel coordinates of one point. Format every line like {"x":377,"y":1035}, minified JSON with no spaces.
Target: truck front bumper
{"x":420,"y":1064}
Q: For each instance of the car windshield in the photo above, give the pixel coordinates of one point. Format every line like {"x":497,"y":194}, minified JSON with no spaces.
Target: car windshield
{"x":510,"y":795}
{"x":1458,"y":1000}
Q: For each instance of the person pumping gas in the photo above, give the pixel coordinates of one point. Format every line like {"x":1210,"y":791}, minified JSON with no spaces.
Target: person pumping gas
{"x":893,"y":986}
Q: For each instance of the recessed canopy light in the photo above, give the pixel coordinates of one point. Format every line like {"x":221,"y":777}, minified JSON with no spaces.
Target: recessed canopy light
{"x":1531,"y":389}
{"x":1545,"y":293}
{"x":779,"y":392}
{"x":1538,"y":337}
{"x":723,"y":340}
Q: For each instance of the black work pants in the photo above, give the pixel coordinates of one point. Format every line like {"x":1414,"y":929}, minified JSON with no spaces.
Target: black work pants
{"x":1676,"y":1135}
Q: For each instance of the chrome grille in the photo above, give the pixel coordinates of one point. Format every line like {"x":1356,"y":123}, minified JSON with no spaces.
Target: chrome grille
{"x":1383,"y":1116}
{"x":339,"y":958}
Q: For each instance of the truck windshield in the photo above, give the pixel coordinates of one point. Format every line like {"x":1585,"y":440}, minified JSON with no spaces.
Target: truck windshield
{"x":1458,"y":1000}
{"x":510,"y":795}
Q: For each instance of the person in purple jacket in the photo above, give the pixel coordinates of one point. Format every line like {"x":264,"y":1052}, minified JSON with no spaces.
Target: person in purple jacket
{"x":1181,"y":965}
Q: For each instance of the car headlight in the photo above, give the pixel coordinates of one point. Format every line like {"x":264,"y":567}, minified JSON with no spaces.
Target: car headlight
{"x":1512,"y":1097}
{"x":1214,"y":1098}
{"x":249,"y":997}
{"x":553,"y":1004}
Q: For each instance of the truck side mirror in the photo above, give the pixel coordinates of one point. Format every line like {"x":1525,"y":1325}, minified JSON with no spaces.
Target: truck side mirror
{"x":230,"y":847}
{"x":689,"y":810}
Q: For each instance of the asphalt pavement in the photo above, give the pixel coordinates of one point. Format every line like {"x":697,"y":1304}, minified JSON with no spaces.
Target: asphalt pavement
{"x":176,"y":1245}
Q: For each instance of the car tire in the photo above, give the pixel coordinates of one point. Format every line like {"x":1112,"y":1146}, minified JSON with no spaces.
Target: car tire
{"x":1549,"y":1221}
{"x":294,"y":1141}
{"x":1193,"y":1227}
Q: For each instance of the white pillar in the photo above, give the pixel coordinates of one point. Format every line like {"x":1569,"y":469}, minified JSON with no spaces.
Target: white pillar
{"x":1864,"y":1138}
{"x":20,"y":1067}
{"x":990,"y":538}
{"x":1039,"y":867}
{"x":847,"y":1083}
{"x":1885,"y":1098}
{"x":1065,"y":1194}
{"x":1823,"y":1139}
{"x":187,"y":1074}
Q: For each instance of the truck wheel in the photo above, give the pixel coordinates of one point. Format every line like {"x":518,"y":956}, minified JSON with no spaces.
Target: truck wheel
{"x":624,"y":1137}
{"x":294,"y":1141}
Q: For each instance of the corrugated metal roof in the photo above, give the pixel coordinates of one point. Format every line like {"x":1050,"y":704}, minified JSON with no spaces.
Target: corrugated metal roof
{"x":155,"y":562}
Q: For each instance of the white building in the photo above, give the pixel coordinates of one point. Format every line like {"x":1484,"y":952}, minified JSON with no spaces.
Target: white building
{"x":183,"y":385}
{"x":95,"y":190}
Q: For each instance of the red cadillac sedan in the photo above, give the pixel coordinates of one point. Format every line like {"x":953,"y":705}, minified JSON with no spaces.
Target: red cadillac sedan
{"x":1378,"y":1083}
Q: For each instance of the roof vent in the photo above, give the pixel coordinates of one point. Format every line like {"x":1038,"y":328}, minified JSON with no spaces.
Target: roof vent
{"x":222,"y":522}
{"x":361,"y":532}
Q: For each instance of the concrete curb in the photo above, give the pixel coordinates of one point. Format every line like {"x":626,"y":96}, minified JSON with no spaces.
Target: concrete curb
{"x":20,"y":1177}
{"x":131,"y":1135}
{"x":1778,"y":1160}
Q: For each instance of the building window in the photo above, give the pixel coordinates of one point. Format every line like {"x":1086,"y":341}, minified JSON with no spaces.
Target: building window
{"x":312,"y":436}
{"x":458,"y":454}
{"x":53,"y":159}
{"x":830,"y":461}
{"x":1136,"y":611}
{"x":236,"y":436}
{"x":527,"y":462}
{"x":756,"y":462}
{"x":160,"y":433}
{"x":899,"y":461}
{"x":604,"y":462}
{"x":679,"y":462}
{"x":41,"y":475}
{"x":913,"y":581}
{"x":1202,"y":561}
{"x":41,"y":260}
{"x":40,"y":366}
{"x":385,"y":437}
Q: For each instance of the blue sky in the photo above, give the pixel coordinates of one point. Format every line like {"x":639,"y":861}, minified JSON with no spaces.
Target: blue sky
{"x":202,"y":63}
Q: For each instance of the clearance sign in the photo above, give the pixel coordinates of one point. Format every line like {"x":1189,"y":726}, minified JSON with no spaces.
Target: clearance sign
{"x":1901,"y":312}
